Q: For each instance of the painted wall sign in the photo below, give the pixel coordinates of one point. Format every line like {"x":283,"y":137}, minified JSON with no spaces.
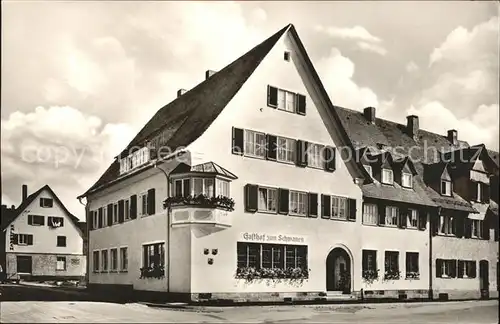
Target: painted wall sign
{"x":273,"y":238}
{"x":12,"y":234}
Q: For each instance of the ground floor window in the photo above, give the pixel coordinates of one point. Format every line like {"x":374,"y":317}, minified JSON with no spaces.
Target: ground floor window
{"x":114,"y":259}
{"x":95,"y":260}
{"x":269,"y":259}
{"x":446,"y":268}
{"x":61,"y":264}
{"x":154,"y":255}
{"x":391,"y":265}
{"x":123,"y":259}
{"x":104,"y":260}
{"x":466,"y":269}
{"x":412,"y":268}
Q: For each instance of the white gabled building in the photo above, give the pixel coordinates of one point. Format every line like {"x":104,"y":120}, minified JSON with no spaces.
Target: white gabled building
{"x":42,"y":240}
{"x":273,"y":223}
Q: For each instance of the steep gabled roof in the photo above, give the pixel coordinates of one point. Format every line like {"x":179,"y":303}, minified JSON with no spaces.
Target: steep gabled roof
{"x":32,"y":198}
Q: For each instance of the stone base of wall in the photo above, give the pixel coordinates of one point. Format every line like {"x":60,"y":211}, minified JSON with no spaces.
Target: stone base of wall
{"x":463,"y":294}
{"x":422,"y":294}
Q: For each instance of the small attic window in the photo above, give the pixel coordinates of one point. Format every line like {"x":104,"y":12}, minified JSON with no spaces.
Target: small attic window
{"x":286,"y":56}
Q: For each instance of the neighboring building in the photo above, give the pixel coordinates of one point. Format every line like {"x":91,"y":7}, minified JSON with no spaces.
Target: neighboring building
{"x":42,"y":239}
{"x":463,"y":248}
{"x":244,"y":179}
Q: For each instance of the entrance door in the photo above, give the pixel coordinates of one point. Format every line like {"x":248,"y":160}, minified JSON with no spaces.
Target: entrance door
{"x":338,"y":271}
{"x":24,"y":264}
{"x":484,"y":279}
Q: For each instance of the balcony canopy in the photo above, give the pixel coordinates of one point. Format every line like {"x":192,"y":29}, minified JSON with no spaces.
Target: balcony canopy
{"x":208,"y":168}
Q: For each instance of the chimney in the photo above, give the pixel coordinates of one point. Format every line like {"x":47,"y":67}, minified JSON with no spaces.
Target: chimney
{"x":25,"y":193}
{"x":208,"y":74}
{"x":13,"y":207}
{"x":412,"y":126}
{"x":180,"y":92}
{"x":452,"y":136}
{"x":369,"y":113}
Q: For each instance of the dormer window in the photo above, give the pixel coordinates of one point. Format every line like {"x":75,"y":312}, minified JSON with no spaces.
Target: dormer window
{"x":134,"y":160}
{"x":387,"y":176}
{"x":368,"y":169}
{"x":407,"y":180}
{"x":445,"y":187}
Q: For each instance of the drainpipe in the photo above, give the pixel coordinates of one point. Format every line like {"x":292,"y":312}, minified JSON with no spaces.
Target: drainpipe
{"x":168,"y":226}
{"x":431,"y":274}
{"x":87,"y":233}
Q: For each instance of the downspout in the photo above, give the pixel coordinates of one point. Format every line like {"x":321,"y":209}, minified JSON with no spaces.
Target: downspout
{"x":87,"y":233}
{"x":168,"y":226}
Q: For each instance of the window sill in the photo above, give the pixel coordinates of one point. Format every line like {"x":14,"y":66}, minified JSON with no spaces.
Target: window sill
{"x":37,"y":224}
{"x":371,"y":224}
{"x":339,"y":219}
{"x":255,"y":156}
{"x":286,"y":162}
{"x":113,"y":271}
{"x":408,"y":278}
{"x":123,"y":271}
{"x":267,"y":212}
{"x":315,"y":167}
{"x":297,"y":215}
{"x":60,"y":270}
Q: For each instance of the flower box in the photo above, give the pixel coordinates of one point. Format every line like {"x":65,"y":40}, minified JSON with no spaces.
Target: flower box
{"x":201,"y":201}
{"x":157,"y":272}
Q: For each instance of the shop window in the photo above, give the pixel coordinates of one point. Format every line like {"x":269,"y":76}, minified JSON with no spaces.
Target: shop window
{"x":274,"y":256}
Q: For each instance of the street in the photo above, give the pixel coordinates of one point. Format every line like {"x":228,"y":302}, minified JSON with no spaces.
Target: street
{"x":65,"y":307}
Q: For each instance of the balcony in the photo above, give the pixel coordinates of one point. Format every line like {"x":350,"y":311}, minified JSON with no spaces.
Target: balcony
{"x":206,"y":213}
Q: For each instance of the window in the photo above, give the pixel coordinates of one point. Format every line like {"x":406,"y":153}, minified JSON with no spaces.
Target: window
{"x":446,"y":225}
{"x":477,"y":228}
{"x":276,"y":256}
{"x":412,"y":269}
{"x":55,"y":221}
{"x":315,"y":156}
{"x":115,"y":213}
{"x":61,"y":264}
{"x":412,"y":218}
{"x":407,"y":180}
{"x":36,"y":220}
{"x":298,"y":203}
{"x":391,"y":265}
{"x":95,"y":259}
{"x":286,"y":150}
{"x":368,"y":169}
{"x":369,"y":260}
{"x":203,"y":186}
{"x":104,"y":260}
{"x":46,"y":202}
{"x":61,"y":241}
{"x":143,"y":200}
{"x":255,"y":144}
{"x":114,"y":259}
{"x":370,"y":214}
{"x":182,"y":188}
{"x":268,"y":198}
{"x":127,"y":209}
{"x":467,"y":269}
{"x":286,"y":100}
{"x":222,"y":188}
{"x":286,"y":56}
{"x":123,"y":259}
{"x":391,"y":216}
{"x":446,"y":268}
{"x":387,"y":176}
{"x":339,"y":207}
{"x":479,"y":187}
{"x":25,"y":239}
{"x":95,"y":220}
{"x":154,"y":255}
{"x":445,"y":188}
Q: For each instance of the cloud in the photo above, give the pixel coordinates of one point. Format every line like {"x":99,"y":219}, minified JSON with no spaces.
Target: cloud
{"x":477,"y":129}
{"x":356,"y":33}
{"x":336,"y":72}
{"x":59,"y":146}
{"x":411,"y":67}
{"x":375,"y":48}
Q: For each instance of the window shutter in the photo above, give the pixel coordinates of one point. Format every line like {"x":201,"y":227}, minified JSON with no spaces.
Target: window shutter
{"x":100,"y":217}
{"x":301,"y":153}
{"x":62,"y":221}
{"x":271,"y":142}
{"x":90,"y":219}
{"x":486,"y":228}
{"x":403,"y":217}
{"x":237,"y":142}
{"x":110,"y":214}
{"x":364,"y":262}
{"x":151,"y":201}
{"x":329,"y":156}
{"x":30,"y":219}
{"x":439,"y":268}
{"x":453,"y":268}
{"x":30,"y":239}
{"x":186,"y":187}
{"x":474,"y":191}
{"x":467,"y":227}
{"x":272,"y":96}
{"x":352,"y":209}
{"x":121,"y":211}
{"x":474,"y":270}
{"x":326,"y":210}
{"x":381,"y":214}
{"x":251,"y":198}
{"x":458,"y":226}
{"x":313,"y":205}
{"x":422,"y":220}
{"x":283,"y":201}
{"x":434,"y":222}
{"x":485,"y":193}
{"x":15,"y":238}
{"x":301,"y":104}
{"x":460,"y":273}
{"x":41,"y":204}
{"x":133,"y":206}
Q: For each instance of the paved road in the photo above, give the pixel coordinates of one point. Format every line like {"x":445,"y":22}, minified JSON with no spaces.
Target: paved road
{"x":72,"y":311}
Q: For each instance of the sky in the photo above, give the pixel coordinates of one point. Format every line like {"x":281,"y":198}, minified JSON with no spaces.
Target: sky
{"x":80,"y":79}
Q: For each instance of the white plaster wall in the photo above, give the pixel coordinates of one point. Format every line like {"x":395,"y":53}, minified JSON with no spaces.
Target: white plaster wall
{"x":249,"y":110}
{"x":45,"y":237}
